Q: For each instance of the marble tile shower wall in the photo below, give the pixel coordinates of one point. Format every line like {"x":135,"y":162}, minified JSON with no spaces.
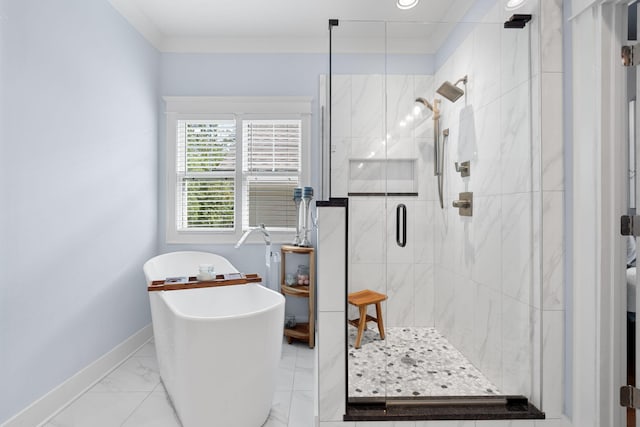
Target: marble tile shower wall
{"x":483,"y":264}
{"x":366,"y":130}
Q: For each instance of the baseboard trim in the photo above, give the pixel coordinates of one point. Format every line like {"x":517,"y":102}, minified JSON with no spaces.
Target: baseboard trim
{"x":51,"y":403}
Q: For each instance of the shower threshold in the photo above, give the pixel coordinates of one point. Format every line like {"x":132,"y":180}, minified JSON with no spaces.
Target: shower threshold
{"x":441,"y":408}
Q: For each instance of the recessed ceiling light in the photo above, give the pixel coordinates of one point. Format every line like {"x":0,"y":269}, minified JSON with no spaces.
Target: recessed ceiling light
{"x":514,"y":4}
{"x":406,"y":4}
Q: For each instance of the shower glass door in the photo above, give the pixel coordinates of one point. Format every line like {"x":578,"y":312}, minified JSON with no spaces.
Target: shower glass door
{"x":458,"y":291}
{"x":359,"y":171}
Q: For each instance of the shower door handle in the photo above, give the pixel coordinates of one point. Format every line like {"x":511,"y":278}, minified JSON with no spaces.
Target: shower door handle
{"x":401,"y":217}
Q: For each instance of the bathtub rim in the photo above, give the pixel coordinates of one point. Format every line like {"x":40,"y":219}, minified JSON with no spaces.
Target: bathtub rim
{"x":179,"y":314}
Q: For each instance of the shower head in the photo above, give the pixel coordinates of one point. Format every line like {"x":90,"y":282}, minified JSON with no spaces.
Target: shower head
{"x":451,"y":91}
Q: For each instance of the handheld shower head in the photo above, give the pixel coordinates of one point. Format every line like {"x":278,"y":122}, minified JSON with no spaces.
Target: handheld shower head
{"x":422,"y":103}
{"x":451,"y":91}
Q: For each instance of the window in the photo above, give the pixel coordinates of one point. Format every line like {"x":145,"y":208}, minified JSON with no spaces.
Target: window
{"x":233,"y":164}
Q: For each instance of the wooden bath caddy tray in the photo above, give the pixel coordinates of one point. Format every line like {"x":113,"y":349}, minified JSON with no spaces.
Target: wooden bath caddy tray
{"x":194,"y":283}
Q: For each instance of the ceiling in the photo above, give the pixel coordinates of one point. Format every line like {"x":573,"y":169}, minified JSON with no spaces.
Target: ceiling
{"x":285,"y":25}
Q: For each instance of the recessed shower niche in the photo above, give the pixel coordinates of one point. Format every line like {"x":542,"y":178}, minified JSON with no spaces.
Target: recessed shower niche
{"x":459,"y":318}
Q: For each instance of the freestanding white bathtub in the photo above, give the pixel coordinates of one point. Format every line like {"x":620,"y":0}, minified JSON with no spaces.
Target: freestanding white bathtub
{"x":218,"y":348}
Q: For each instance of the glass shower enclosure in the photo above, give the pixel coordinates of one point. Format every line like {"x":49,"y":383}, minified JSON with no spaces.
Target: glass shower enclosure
{"x":431,"y":140}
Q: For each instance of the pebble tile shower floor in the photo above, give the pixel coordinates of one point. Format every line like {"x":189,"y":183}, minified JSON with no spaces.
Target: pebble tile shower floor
{"x":133,"y":396}
{"x":411,"y":362}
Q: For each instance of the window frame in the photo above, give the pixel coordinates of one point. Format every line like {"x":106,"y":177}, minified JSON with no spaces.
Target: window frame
{"x":239,"y":109}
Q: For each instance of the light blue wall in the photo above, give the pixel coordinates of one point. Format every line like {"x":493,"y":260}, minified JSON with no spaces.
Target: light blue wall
{"x":78,"y":139}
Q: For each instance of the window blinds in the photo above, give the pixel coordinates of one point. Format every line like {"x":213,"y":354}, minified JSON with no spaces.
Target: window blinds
{"x":271,"y":170}
{"x":206,"y":168}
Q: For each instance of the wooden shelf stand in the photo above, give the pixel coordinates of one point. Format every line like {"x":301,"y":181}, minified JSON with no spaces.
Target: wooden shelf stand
{"x":302,"y":331}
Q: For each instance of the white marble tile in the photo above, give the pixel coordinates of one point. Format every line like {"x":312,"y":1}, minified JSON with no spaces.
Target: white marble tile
{"x":536,"y":247}
{"x":487,"y":160}
{"x":368,"y":148}
{"x":147,"y":350}
{"x":422,"y":233}
{"x":337,"y":424}
{"x":423,"y":86}
{"x":155,"y":411}
{"x":444,"y":301}
{"x":553,"y":250}
{"x":279,"y":414}
{"x":452,"y":243}
{"x":534,"y":29}
{"x":506,"y":423}
{"x":514,"y":63}
{"x":463,"y":62}
{"x":386,"y":424}
{"x":536,"y":135}
{"x":424,"y":295}
{"x":105,"y":409}
{"x":467,"y":143}
{"x":399,"y":106}
{"x":288,"y":359}
{"x":552,"y":132}
{"x":484,"y":78}
{"x":341,"y":106}
{"x":367,"y":276}
{"x":331,"y":360}
{"x":285,"y":377}
{"x":367,"y":230}
{"x":551,"y":18}
{"x":535,"y":398}
{"x":553,"y":422}
{"x":459,"y":423}
{"x":516,"y":347}
{"x":367,"y":105}
{"x":301,"y":413}
{"x":340,"y":149}
{"x":134,"y":374}
{"x":426,"y":179}
{"x":305,"y":358}
{"x":423,"y":125}
{"x":515,"y":166}
{"x":553,"y":362}
{"x":465,"y":291}
{"x":303,"y":379}
{"x":399,"y":305}
{"x":487,"y":264}
{"x":516,"y":246}
{"x":487,"y":335}
{"x":331,"y":258}
{"x":400,"y":147}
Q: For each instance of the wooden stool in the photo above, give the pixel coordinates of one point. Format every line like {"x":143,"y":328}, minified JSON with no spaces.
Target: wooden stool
{"x":362,"y":299}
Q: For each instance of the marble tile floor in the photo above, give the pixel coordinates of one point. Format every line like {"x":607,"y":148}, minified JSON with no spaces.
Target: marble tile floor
{"x":411,"y":362}
{"x":133,"y":396}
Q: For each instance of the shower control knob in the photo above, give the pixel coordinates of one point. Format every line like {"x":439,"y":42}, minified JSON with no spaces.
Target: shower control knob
{"x":464,"y":168}
{"x":464,"y":204}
